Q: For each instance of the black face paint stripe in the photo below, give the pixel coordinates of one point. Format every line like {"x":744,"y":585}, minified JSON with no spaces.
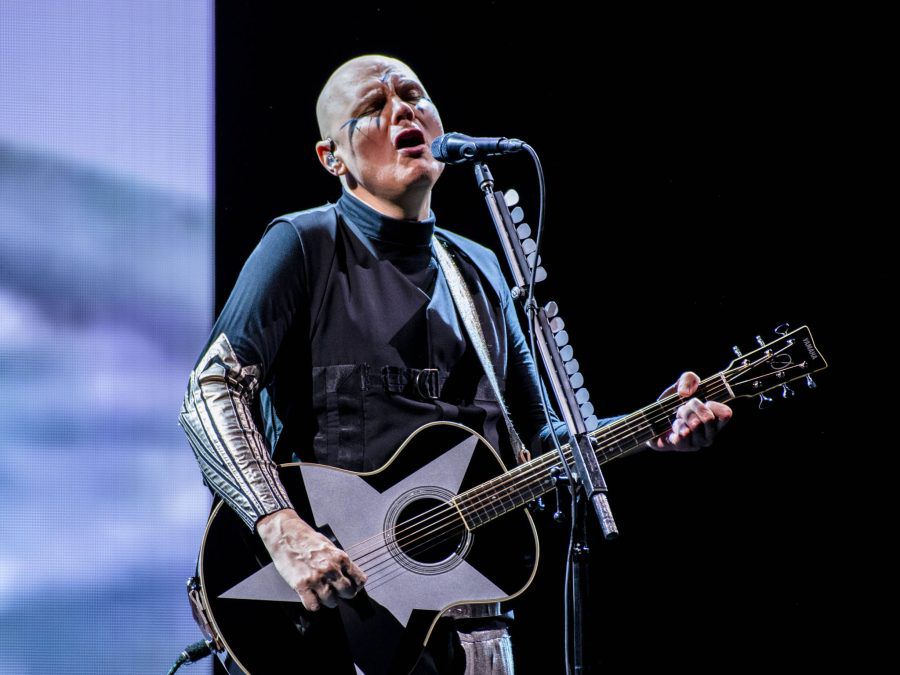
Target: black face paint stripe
{"x":353,"y":122}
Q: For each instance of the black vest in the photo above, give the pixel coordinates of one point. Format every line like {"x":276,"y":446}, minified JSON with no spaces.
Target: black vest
{"x":353,"y":376}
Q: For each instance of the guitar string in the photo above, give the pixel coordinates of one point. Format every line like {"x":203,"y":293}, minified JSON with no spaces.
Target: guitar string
{"x":514,"y":478}
{"x":453,"y":516}
{"x":515,"y":475}
{"x":454,"y":523}
{"x":377,"y":580}
{"x":392,"y":573}
{"x":450,"y":527}
{"x":412,"y":531}
{"x":463,"y":504}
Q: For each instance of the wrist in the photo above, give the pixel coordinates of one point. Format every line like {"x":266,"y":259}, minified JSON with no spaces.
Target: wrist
{"x":272,"y":524}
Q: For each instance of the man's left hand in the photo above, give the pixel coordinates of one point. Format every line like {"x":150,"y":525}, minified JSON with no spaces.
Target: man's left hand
{"x":696,"y":423}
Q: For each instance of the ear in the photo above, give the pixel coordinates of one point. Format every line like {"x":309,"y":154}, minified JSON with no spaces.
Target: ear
{"x":328,"y":157}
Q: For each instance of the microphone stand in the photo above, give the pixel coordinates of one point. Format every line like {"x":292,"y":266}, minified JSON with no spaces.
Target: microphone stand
{"x":587,"y":480}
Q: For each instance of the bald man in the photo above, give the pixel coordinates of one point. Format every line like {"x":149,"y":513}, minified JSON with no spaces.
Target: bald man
{"x":353,"y":291}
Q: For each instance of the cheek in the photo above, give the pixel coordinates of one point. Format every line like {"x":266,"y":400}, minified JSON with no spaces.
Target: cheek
{"x":429,"y":114}
{"x":367,"y":128}
{"x":369,"y":141}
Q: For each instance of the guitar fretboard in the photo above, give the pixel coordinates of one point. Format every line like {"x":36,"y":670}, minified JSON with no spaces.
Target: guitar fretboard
{"x":530,"y":480}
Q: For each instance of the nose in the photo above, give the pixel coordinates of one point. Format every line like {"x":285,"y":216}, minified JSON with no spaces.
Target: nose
{"x":401,"y":109}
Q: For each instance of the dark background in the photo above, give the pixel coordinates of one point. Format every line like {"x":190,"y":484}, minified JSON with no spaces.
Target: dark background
{"x":700,"y":193}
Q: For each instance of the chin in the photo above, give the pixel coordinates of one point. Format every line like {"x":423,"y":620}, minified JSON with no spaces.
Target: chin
{"x":422,"y":172}
{"x":423,"y":179}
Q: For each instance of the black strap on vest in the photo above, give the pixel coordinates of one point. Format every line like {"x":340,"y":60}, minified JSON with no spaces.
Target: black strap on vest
{"x":423,"y":383}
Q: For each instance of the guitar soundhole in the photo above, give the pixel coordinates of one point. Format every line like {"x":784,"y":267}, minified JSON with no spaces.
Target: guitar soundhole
{"x":428,"y":531}
{"x":424,"y":531}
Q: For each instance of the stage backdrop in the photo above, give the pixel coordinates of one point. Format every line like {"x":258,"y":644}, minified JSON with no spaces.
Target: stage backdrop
{"x":106,"y":292}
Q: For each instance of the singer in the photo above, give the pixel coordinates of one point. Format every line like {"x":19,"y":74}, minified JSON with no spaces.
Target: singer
{"x":340,"y":338}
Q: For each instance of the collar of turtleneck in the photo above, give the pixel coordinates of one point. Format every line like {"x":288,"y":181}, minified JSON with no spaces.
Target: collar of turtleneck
{"x":378,"y":226}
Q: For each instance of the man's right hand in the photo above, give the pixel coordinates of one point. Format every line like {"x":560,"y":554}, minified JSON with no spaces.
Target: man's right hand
{"x":308,"y":561}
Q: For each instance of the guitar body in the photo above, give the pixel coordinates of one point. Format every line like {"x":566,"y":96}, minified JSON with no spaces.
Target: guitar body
{"x":399,"y":525}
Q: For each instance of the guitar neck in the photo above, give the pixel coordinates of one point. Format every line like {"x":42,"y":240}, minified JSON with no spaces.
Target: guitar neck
{"x":530,"y":480}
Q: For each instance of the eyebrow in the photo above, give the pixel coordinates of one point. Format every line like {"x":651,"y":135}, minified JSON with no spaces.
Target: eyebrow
{"x":374,"y":90}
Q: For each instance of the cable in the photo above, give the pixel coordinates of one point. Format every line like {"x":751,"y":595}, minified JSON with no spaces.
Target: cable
{"x":199,"y":650}
{"x":569,"y":585}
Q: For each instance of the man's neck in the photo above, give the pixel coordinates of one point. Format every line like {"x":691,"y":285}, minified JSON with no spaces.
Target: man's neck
{"x":412,"y":206}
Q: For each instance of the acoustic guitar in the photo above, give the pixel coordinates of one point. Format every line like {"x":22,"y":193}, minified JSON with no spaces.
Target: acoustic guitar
{"x":440,"y":524}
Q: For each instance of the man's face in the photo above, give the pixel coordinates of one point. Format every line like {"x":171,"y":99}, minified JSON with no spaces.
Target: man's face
{"x":383,"y":122}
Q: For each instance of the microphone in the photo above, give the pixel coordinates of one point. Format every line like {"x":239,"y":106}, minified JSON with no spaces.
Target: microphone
{"x":454,"y":148}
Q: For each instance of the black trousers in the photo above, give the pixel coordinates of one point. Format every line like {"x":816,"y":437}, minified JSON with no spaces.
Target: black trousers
{"x":444,"y":654}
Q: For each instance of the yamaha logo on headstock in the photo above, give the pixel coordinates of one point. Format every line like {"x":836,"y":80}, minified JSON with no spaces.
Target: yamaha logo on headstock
{"x":811,"y":350}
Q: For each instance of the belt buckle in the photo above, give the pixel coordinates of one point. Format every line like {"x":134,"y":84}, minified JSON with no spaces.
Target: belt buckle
{"x":422,"y":392}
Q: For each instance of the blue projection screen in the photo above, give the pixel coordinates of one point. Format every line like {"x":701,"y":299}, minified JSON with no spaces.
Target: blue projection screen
{"x":106,"y":298}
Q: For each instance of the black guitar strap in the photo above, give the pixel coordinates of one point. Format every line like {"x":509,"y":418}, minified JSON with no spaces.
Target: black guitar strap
{"x":463,"y":299}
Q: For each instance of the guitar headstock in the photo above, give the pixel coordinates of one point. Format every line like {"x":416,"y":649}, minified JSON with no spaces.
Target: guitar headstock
{"x":791,"y":356}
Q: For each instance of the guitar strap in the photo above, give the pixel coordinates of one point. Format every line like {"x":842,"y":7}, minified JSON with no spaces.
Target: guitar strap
{"x":466,"y":307}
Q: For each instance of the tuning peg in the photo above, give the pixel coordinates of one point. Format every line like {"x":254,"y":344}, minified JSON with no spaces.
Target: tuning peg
{"x":809,"y":382}
{"x":566,"y":353}
{"x":737,"y":351}
{"x":587,"y":409}
{"x":552,"y":309}
{"x":760,"y":341}
{"x":591,"y":422}
{"x":764,"y":401}
{"x":577,"y":380}
{"x":528,"y":246}
{"x":562,"y":338}
{"x":540,"y":275}
{"x":572,"y":367}
{"x":782,"y":329}
{"x":532,"y":263}
{"x":518,"y":215}
{"x":511,"y":197}
{"x":786,"y":391}
{"x":524,"y":231}
{"x":557,"y":324}
{"x":582,"y":396}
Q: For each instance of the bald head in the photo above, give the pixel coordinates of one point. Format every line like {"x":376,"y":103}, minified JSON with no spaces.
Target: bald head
{"x":341,"y":89}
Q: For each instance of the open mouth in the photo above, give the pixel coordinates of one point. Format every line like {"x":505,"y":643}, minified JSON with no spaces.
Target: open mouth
{"x":410,"y":141}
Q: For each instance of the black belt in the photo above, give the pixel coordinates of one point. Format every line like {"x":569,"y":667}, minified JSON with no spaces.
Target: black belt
{"x":423,"y":383}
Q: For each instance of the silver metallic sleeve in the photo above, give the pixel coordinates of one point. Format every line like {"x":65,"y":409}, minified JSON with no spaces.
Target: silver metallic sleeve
{"x":231,"y":450}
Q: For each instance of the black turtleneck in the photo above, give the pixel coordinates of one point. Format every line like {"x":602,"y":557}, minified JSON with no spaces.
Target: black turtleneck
{"x":406,"y":243}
